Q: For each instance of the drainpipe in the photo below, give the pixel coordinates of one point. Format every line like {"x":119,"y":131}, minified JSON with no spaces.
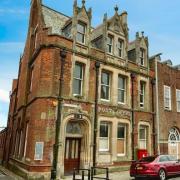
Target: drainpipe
{"x":55,"y":169}
{"x":132,"y":108}
{"x":157,"y":104}
{"x":153,"y":82}
{"x":97,"y":66}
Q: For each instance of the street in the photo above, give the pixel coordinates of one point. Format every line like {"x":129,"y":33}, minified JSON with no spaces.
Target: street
{"x":125,"y":176}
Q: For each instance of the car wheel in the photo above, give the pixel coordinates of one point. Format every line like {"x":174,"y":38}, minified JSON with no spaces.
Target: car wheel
{"x":162,"y":174}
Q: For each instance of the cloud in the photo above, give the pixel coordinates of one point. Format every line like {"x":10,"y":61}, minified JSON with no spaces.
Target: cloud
{"x":12,"y":11}
{"x":4,"y":96}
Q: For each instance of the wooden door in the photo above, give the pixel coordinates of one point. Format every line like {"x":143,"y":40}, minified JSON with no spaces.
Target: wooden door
{"x":72,"y":154}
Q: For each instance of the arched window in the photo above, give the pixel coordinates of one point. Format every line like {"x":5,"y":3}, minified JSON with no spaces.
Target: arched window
{"x":173,"y":135}
{"x":73,"y":128}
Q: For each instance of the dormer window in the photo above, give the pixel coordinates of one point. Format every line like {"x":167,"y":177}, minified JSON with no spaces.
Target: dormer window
{"x":81,"y":30}
{"x":120,"y":45}
{"x":110,"y":44}
{"x":142,"y":56}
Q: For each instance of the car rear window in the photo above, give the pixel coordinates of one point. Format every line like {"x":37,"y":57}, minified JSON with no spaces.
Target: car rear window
{"x":147,"y":159}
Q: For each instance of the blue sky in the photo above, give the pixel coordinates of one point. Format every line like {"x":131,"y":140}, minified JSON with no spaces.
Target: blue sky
{"x":159,"y":19}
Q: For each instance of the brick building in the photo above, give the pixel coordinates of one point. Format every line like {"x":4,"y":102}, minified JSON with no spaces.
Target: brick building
{"x":105,"y":107}
{"x":3,"y":133}
{"x":168,"y":105}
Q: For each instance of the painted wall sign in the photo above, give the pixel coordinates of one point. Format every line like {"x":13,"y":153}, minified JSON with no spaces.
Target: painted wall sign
{"x":114,"y":112}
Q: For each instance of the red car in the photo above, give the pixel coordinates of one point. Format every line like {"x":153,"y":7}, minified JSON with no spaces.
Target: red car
{"x":160,"y":166}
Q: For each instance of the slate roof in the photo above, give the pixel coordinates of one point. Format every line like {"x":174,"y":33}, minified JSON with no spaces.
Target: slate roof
{"x":54,"y":20}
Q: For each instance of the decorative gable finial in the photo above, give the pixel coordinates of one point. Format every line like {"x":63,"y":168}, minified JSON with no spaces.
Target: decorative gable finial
{"x":116,"y":8}
{"x":75,"y":3}
{"x":137,"y":35}
{"x":83,"y":3}
{"x":142,"y":33}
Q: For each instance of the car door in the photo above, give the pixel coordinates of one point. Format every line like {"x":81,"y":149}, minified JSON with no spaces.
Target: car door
{"x":176,"y":164}
{"x":167,"y":164}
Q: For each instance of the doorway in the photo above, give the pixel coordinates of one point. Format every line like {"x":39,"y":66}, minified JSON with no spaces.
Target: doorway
{"x":72,"y":154}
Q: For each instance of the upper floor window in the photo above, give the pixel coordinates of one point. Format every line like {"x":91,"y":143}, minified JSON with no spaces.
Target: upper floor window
{"x":142,"y":56}
{"x":120,"y":45}
{"x":78,"y":79}
{"x":105,"y":85}
{"x":143,"y":137}
{"x":104,"y":135}
{"x":178,"y":99}
{"x":81,"y":31}
{"x":121,"y":139}
{"x":110,"y":44}
{"x":142,"y":93}
{"x":121,"y":89}
{"x":167,"y":97}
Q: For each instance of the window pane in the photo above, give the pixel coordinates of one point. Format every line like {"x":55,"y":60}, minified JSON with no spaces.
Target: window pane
{"x":121,"y":96}
{"x":142,"y":56}
{"x":141,"y":98}
{"x":80,"y":37}
{"x":77,"y":86}
{"x":105,"y":92}
{"x":142,"y":144}
{"x":121,"y":82}
{"x":142,"y":93}
{"x":78,"y":71}
{"x":142,"y":133}
{"x":109,"y":40}
{"x":105,"y":78}
{"x":121,"y":131}
{"x":109,"y":43}
{"x":120,"y":47}
{"x":39,"y":150}
{"x":104,"y":130}
{"x":81,"y":28}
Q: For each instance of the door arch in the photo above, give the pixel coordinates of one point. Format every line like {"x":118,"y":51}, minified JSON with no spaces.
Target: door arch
{"x":77,"y":151}
{"x":173,"y":142}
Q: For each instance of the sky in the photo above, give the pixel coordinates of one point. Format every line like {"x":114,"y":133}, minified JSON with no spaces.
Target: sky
{"x":159,"y":19}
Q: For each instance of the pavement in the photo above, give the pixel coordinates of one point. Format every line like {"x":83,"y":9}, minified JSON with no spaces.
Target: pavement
{"x":5,"y":174}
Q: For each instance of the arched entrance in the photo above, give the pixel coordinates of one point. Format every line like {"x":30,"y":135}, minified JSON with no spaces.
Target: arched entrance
{"x":173,"y":142}
{"x":77,"y":145}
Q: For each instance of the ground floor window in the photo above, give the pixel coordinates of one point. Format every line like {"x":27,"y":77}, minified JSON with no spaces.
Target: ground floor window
{"x":104,"y":135}
{"x":121,"y":139}
{"x":143,"y":134}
